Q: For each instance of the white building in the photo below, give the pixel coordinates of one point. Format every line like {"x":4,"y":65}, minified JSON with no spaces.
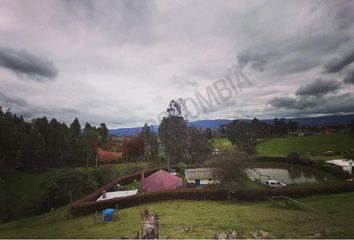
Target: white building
{"x":345,"y":164}
{"x":202,"y":175}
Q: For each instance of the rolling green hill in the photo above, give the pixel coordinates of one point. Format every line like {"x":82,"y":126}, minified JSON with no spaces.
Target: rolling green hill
{"x":315,"y":145}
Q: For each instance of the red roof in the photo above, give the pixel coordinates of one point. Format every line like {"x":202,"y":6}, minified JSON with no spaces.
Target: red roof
{"x":160,"y":181}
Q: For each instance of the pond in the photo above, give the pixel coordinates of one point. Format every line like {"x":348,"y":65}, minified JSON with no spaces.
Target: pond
{"x":286,"y":173}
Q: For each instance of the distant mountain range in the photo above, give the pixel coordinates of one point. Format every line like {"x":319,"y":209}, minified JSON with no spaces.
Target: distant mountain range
{"x":306,"y":121}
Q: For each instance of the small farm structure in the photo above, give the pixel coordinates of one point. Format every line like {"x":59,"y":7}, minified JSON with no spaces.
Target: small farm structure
{"x":160,"y":181}
{"x":117,"y":194}
{"x":202,"y":176}
{"x":346,"y":164}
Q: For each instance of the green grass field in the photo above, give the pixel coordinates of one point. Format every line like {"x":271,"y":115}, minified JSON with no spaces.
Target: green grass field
{"x":206,"y":217}
{"x":315,"y":145}
{"x":222,"y":143}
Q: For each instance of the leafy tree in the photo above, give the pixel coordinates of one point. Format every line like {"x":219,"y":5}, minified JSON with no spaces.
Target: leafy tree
{"x":173,"y":133}
{"x":133,"y":149}
{"x":76,"y":151}
{"x":89,"y":142}
{"x":151,"y":144}
{"x":208,"y":133}
{"x":200,"y":145}
{"x":66,"y":186}
{"x":103,"y":130}
{"x":75,"y":129}
{"x":41,"y":143}
{"x":242,"y":135}
{"x":293,"y":157}
{"x":280,"y":127}
{"x":230,"y":166}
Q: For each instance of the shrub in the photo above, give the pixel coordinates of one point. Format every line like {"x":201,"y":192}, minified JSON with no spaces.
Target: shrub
{"x":65,"y":186}
{"x":104,"y":175}
{"x":181,"y":167}
{"x":293,"y":158}
{"x":231,"y":172}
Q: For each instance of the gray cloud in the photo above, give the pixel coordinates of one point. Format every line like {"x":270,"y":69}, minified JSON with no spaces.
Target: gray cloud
{"x":343,"y":14}
{"x":337,"y":64}
{"x":304,"y":105}
{"x":293,"y":102}
{"x":349,"y":77}
{"x":25,"y":64}
{"x":12,"y":101}
{"x":318,"y":87}
{"x":256,"y":61}
{"x":283,"y":102}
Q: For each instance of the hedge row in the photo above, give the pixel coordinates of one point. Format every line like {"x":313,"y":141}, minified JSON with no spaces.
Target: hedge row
{"x":211,"y":194}
{"x":126,"y":202}
{"x":270,"y":159}
{"x":89,"y":204}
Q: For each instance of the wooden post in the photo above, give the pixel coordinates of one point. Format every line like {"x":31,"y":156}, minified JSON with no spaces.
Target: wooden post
{"x":116,"y":213}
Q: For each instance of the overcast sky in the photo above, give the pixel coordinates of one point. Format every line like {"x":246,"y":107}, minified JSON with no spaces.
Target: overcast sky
{"x":121,"y":62}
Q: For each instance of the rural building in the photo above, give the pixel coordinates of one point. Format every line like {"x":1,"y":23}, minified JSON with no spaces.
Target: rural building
{"x":160,"y":181}
{"x":345,"y":164}
{"x":202,"y":176}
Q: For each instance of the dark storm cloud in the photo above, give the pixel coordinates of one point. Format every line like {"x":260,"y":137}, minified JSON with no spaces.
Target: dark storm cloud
{"x":283,"y":102}
{"x":342,"y":103}
{"x":318,"y":87}
{"x":337,"y":64}
{"x":25,"y":64}
{"x":349,"y":78}
{"x":293,"y":102}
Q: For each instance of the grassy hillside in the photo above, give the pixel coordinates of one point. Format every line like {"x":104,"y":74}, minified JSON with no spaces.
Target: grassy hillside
{"x":27,"y":186}
{"x":206,"y":217}
{"x":315,"y":145}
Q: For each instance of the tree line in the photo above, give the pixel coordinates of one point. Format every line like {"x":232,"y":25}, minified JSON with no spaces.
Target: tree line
{"x":244,"y":134}
{"x":41,"y":143}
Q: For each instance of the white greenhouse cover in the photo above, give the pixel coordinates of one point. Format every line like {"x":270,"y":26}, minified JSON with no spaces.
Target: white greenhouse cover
{"x":118,"y":194}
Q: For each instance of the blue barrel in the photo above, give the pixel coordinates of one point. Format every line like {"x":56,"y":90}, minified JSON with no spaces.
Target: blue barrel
{"x":108,"y":214}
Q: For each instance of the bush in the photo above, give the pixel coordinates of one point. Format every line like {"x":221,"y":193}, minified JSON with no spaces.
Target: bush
{"x":270,"y":159}
{"x":181,"y":167}
{"x":104,"y":175}
{"x":293,"y":158}
{"x":231,"y":167}
{"x":66,"y":186}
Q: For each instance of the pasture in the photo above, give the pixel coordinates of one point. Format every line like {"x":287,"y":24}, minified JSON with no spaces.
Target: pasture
{"x":205,"y":218}
{"x":312,"y":145}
